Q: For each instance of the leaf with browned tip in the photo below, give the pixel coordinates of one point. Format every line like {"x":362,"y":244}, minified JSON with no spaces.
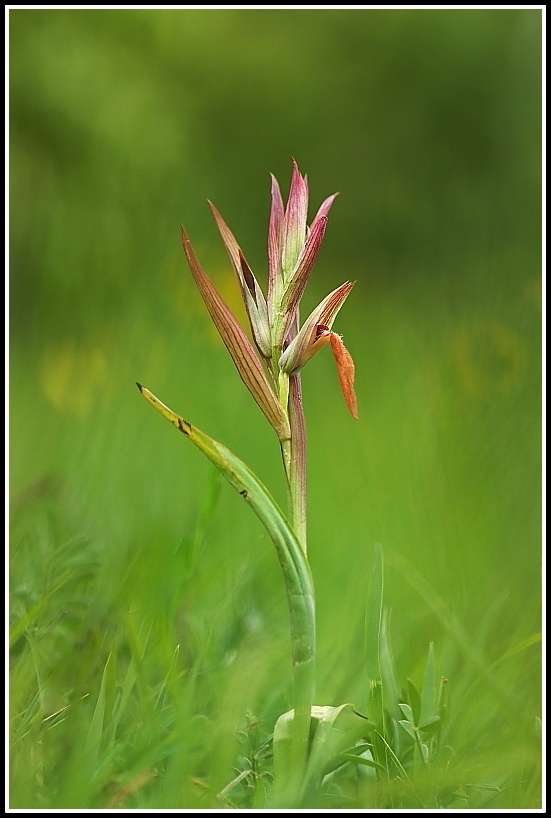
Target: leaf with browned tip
{"x":238,"y":345}
{"x":252,"y":295}
{"x":296,"y":571}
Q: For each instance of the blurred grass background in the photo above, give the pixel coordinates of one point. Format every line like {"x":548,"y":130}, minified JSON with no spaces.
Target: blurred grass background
{"x":123,"y":122}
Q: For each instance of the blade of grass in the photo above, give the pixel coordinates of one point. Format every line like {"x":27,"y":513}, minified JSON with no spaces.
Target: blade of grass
{"x":461,"y":638}
{"x":95,"y":731}
{"x":428,"y":690}
{"x":373,"y":616}
{"x":388,"y":669}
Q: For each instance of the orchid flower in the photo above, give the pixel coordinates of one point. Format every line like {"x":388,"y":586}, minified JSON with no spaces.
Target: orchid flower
{"x":315,"y":333}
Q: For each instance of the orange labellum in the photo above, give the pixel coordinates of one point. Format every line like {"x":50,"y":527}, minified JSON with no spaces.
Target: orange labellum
{"x":345,"y":369}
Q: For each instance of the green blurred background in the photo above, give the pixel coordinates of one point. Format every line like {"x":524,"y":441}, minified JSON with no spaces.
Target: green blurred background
{"x":428,"y":122}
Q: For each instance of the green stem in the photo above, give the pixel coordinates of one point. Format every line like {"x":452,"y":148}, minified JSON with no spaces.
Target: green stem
{"x":297,"y":473}
{"x":293,"y":452}
{"x":283,"y":389}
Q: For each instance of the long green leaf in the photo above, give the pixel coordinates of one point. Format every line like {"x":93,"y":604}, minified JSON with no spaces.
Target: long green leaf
{"x":296,"y":572}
